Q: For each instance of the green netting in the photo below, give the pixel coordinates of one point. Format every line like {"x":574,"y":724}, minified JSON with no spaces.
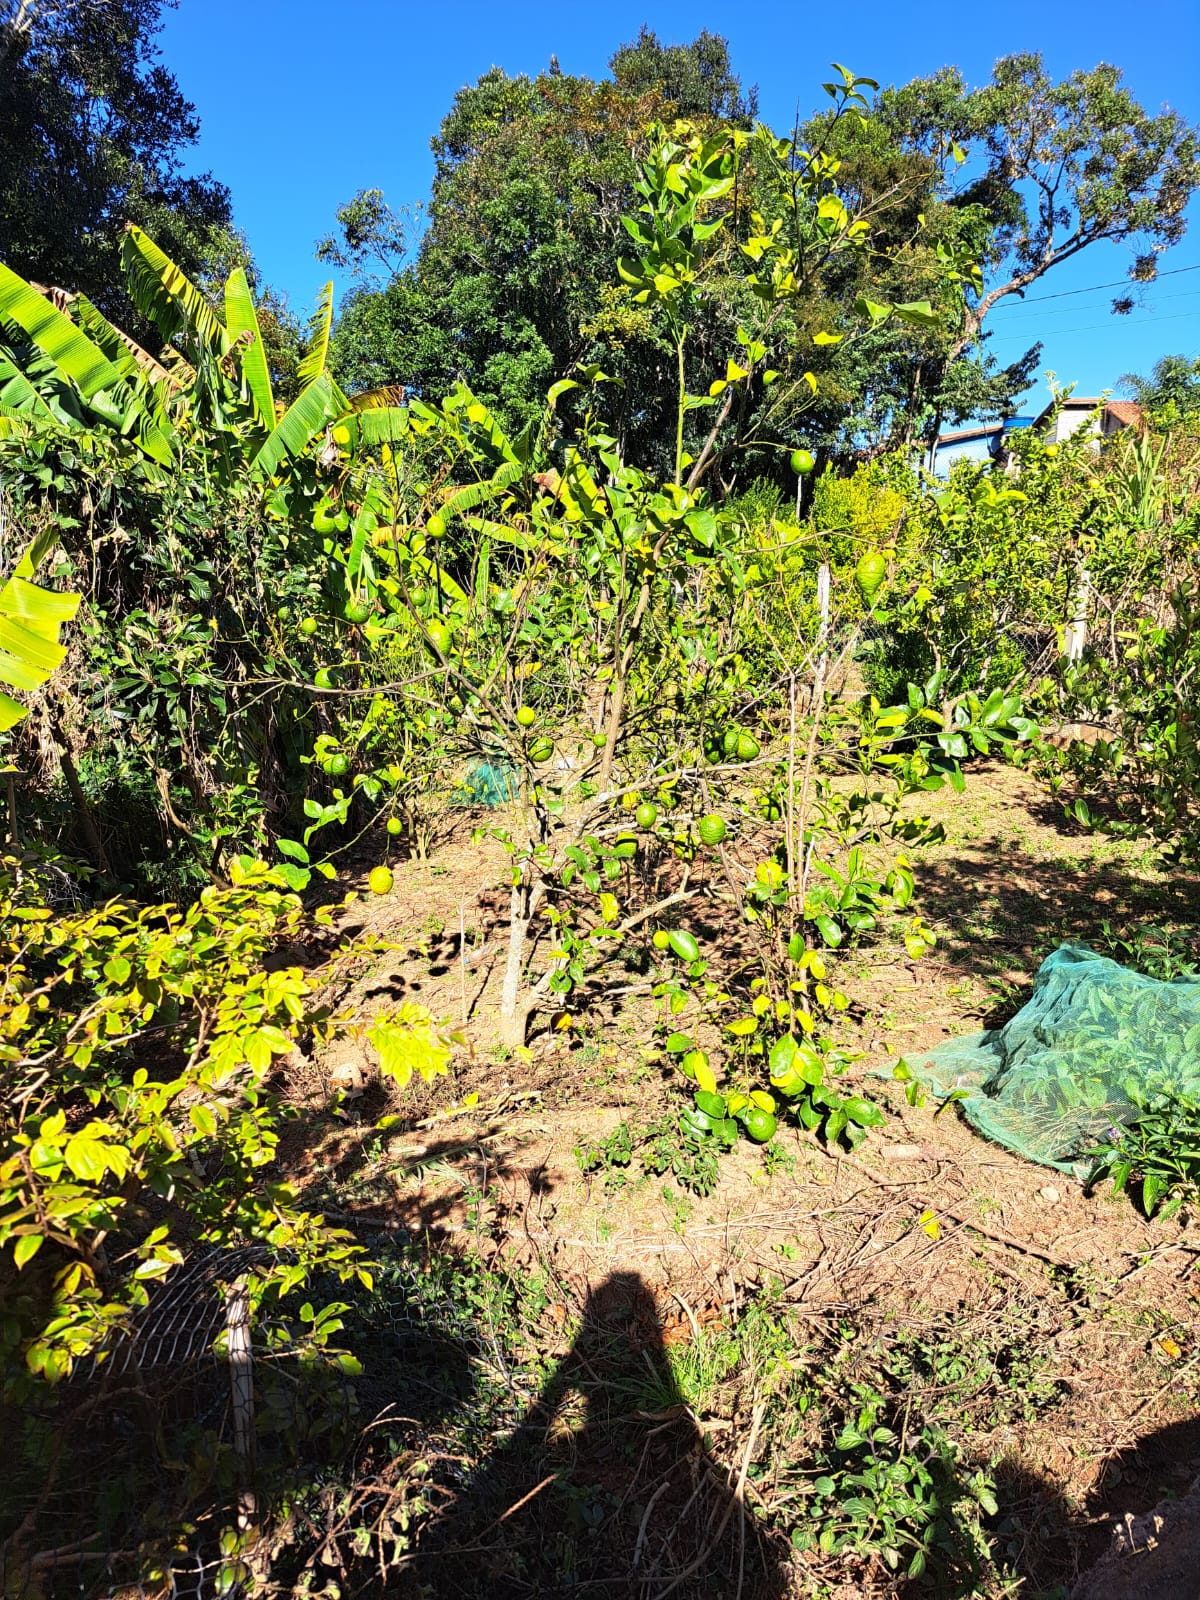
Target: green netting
{"x":1095,"y":1044}
{"x":489,"y":783}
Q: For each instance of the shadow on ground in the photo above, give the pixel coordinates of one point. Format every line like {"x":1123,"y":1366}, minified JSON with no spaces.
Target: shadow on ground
{"x":604,"y":1486}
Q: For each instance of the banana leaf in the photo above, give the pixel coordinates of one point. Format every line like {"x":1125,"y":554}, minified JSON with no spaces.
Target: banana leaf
{"x":76,"y":356}
{"x":30,"y":620}
{"x":166,"y":295}
{"x":309,"y":414}
{"x":242,"y":319}
{"x":312,"y":364}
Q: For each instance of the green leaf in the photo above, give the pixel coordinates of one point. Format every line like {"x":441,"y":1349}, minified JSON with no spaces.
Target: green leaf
{"x":782,"y":1057}
{"x":203,"y":1120}
{"x":241,"y":319}
{"x":305,"y":419}
{"x":381,"y":425}
{"x":164,"y":293}
{"x":405,"y":1047}
{"x":75,"y":355}
{"x":919,"y":312}
{"x":26,"y":1247}
{"x":312,"y":364}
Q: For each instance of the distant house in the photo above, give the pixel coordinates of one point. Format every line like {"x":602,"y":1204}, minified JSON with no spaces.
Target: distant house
{"x":1101,"y":417}
{"x":981,"y":442}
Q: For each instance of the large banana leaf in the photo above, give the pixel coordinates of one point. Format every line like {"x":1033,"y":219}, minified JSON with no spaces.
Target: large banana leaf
{"x":308,"y":416}
{"x":241,"y":320}
{"x":317,"y":354}
{"x":18,"y":397}
{"x":30,"y":620}
{"x":379,"y":425}
{"x":163,"y":292}
{"x":124,"y":353}
{"x":477,"y":494}
{"x":76,"y":356}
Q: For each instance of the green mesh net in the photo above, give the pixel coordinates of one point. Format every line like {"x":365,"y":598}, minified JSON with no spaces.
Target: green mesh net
{"x":1095,"y":1045}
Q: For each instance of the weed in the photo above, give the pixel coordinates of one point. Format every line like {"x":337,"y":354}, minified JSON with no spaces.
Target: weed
{"x":611,"y":1156}
{"x":679,"y":1207}
{"x":1164,"y":953}
{"x":1159,"y":1153}
{"x":776,"y":1158}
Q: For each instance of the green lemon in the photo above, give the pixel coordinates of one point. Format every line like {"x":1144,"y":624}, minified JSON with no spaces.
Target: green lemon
{"x":802,"y":462}
{"x":526,"y":716}
{"x":759,"y":1124}
{"x":439,"y":636}
{"x":380,"y":880}
{"x":747,"y":747}
{"x":395,"y":827}
{"x":358,"y":611}
{"x":870,"y":572}
{"x":729,"y":743}
{"x":308,"y":626}
{"x":711,"y":829}
{"x":338,"y":765}
{"x":324,"y":519}
{"x":646,"y":815}
{"x":540,"y":750}
{"x":322,"y":678}
{"x":435,"y":526}
{"x":661,"y":939}
{"x":713,"y":751}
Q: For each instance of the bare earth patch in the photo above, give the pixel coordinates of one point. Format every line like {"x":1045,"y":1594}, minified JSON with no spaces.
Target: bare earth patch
{"x":927,"y":1228}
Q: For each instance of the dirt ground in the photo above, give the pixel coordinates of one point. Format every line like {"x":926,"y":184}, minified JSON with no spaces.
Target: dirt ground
{"x":927,"y":1227}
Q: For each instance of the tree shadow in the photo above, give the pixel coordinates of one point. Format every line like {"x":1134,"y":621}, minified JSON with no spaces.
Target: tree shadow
{"x":605,"y":1486}
{"x":1135,"y":1537}
{"x":1001,"y":909}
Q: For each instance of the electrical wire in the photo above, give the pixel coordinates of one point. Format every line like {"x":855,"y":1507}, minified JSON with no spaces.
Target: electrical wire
{"x":1184,"y":294}
{"x":1117,"y":283}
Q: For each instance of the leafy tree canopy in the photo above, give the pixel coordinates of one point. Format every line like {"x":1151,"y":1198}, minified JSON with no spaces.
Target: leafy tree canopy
{"x":969,"y":195}
{"x":1173,"y":385}
{"x":92,"y":133}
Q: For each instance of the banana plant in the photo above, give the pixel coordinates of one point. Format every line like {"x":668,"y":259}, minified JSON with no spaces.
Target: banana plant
{"x":105,"y":387}
{"x":31,"y":618}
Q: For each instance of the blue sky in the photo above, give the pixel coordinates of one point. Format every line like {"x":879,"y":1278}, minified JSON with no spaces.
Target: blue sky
{"x":301,"y":104}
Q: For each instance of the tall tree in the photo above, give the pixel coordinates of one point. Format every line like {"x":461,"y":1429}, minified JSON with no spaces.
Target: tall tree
{"x":93,"y":129}
{"x":1173,"y":384}
{"x":511,"y":283}
{"x":1066,"y":166}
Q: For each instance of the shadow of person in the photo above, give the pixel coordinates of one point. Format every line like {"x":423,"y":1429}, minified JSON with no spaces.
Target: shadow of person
{"x":605,"y":1487}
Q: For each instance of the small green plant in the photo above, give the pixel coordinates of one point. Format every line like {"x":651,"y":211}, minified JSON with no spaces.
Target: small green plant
{"x":1159,"y":1153}
{"x":894,"y":1493}
{"x":611,"y":1156}
{"x":1159,"y":952}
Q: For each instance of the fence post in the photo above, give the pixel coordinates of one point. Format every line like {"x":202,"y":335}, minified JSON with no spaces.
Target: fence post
{"x":241,"y":1391}
{"x":1075,"y":635}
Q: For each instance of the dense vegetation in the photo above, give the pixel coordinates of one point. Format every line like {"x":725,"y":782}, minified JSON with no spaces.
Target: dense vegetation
{"x":597,"y":517}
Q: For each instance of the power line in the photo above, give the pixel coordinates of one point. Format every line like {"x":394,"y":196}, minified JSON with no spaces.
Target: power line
{"x":1010,"y":301}
{"x":1177,"y":316}
{"x":1183,"y":294}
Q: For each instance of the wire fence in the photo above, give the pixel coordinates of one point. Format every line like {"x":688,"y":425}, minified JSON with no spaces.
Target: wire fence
{"x":124,"y":1480}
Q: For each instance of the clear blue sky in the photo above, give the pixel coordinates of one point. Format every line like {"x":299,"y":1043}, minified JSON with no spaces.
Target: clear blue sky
{"x":301,"y":104}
